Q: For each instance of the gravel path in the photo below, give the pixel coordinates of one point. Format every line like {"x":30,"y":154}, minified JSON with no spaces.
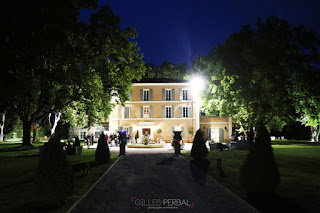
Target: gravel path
{"x":158,"y":183}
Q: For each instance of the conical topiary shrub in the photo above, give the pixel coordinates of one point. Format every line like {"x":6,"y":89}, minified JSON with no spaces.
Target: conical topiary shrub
{"x":259,"y":173}
{"x":199,"y":150}
{"x":54,"y":178}
{"x":102,"y":154}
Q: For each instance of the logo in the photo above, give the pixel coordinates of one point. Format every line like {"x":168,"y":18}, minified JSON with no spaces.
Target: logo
{"x":166,"y":203}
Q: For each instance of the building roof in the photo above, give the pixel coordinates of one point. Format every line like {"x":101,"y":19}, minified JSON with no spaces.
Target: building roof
{"x":160,"y":80}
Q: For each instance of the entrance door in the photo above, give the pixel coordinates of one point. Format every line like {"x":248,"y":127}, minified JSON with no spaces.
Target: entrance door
{"x":217,"y":134}
{"x":146,"y":130}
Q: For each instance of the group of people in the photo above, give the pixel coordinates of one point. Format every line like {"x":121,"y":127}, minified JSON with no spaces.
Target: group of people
{"x":112,"y":139}
{"x":103,"y":149}
{"x":115,"y":140}
{"x":89,"y":139}
{"x":70,"y":149}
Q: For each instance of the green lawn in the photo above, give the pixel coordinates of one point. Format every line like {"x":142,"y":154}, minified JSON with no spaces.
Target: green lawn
{"x":299,"y":165}
{"x":18,"y":166}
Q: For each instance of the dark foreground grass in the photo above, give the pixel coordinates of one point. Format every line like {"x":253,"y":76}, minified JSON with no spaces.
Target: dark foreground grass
{"x":299,"y":165}
{"x":18,"y":167}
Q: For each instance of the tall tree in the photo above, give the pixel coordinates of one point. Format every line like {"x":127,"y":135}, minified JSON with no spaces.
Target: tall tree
{"x":259,"y":75}
{"x":308,"y":106}
{"x":51,"y":59}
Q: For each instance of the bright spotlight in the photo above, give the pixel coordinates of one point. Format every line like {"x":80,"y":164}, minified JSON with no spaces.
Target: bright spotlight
{"x":197,"y":84}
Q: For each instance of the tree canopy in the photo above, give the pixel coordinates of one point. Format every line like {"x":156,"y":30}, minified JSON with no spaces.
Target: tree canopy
{"x":309,"y":107}
{"x":259,"y":74}
{"x":50,"y":59}
{"x":168,"y":70}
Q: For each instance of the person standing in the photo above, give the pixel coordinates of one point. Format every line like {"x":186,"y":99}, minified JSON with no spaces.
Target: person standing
{"x":89,"y":141}
{"x":136,"y":137}
{"x":123,"y":142}
{"x":92,"y":137}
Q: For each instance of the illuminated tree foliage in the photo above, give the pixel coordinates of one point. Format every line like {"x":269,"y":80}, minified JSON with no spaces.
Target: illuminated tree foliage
{"x":259,"y":74}
{"x":168,"y":70}
{"x":50,"y":59}
{"x":309,"y":107}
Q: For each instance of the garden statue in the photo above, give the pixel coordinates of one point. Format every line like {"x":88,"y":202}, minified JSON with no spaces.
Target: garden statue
{"x":146,"y":139}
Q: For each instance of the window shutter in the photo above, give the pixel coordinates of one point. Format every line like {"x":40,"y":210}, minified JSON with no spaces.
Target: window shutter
{"x":130,"y":130}
{"x":163,"y":94}
{"x":180,"y":111}
{"x":130,"y":95}
{"x":189,"y":95}
{"x":180,"y":90}
{"x":163,"y":111}
{"x":123,"y":112}
{"x":172,"y":131}
{"x":128,"y":112}
{"x":150,"y":112}
{"x":172,"y":95}
{"x":182,"y":133}
{"x":141,"y":111}
{"x":172,"y":108}
{"x":209,"y":133}
{"x":190,"y":112}
{"x":141,"y":95}
{"x":150,"y":93}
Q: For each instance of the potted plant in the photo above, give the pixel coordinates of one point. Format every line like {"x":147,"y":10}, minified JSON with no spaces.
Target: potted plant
{"x":159,"y":131}
{"x":190,"y":131}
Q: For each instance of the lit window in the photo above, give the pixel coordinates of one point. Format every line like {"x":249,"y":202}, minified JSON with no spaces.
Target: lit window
{"x":168,"y":94}
{"x":97,"y":134}
{"x":83,"y":135}
{"x":146,"y":112}
{"x":126,"y":129}
{"x":185,"y":112}
{"x":184,"y":94}
{"x":168,"y":112}
{"x":126,"y":112}
{"x":146,"y":95}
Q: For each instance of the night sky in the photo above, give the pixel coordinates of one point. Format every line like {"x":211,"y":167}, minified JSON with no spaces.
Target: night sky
{"x":177,"y":31}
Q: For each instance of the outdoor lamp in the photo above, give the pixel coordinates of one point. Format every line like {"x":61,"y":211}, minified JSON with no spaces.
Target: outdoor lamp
{"x":197,"y":83}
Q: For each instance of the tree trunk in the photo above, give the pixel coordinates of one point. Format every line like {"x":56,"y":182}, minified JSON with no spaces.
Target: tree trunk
{"x":250,"y":137}
{"x":313,"y":133}
{"x":26,"y":139}
{"x":3,"y":118}
{"x":35,"y":135}
{"x":56,"y":120}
